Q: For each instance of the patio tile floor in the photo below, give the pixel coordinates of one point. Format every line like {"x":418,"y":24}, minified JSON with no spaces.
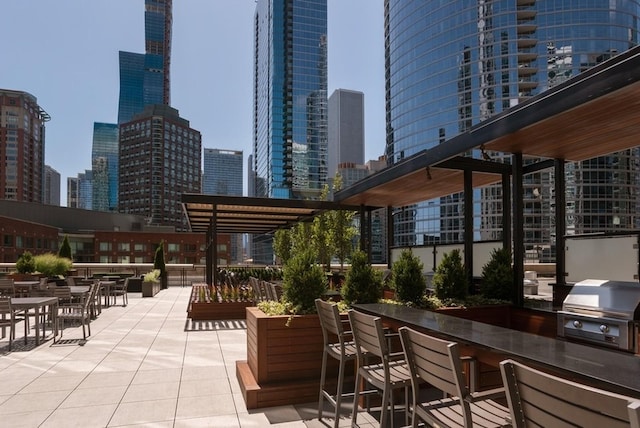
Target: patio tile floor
{"x":144,"y":365}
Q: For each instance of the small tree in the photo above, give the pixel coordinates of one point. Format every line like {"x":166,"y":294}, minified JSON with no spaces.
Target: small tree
{"x":26,"y":263}
{"x":450,"y":280}
{"x":341,"y":228}
{"x":363,"y":284}
{"x":158,"y":263}
{"x":407,"y":278}
{"x":497,"y":276}
{"x":65,"y":249}
{"x":282,"y":245}
{"x":321,"y":234}
{"x":304,"y":281}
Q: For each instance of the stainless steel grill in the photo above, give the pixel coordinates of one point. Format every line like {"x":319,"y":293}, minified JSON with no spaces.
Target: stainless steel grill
{"x":602,"y":312}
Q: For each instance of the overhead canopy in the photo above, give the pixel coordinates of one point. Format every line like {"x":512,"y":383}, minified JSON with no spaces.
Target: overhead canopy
{"x":237,"y":214}
{"x":593,"y":114}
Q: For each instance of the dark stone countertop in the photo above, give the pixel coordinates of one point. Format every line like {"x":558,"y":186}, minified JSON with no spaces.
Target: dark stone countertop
{"x":614,"y":370}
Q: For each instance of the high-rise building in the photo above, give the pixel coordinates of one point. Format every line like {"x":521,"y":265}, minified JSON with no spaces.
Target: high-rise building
{"x":222,"y":172}
{"x":160,"y":158}
{"x":51,"y":189}
{"x":452,"y":65}
{"x":22,"y":137}
{"x":85,"y":190}
{"x":346,"y":129}
{"x":223,"y":176}
{"x":72,"y":192}
{"x":104,"y":163}
{"x":290,"y":101}
{"x":144,"y":78}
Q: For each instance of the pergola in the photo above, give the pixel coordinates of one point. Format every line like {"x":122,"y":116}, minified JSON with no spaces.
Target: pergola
{"x":215,"y":214}
{"x":593,"y":114}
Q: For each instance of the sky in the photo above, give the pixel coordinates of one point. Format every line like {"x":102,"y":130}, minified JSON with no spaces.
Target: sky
{"x":65,"y":53}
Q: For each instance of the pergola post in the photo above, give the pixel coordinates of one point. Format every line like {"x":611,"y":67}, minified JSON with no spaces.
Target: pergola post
{"x":506,"y":211}
{"x":468,"y":225}
{"x":214,"y":243}
{"x":390,"y":237}
{"x":561,"y":220}
{"x":518,"y":229}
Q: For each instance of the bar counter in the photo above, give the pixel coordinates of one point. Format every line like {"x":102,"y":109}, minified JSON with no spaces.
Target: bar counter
{"x":613,"y":370}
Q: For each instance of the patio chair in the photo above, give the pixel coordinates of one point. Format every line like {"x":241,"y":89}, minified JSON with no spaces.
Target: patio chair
{"x":7,"y":319}
{"x":276,"y":291}
{"x":257,"y":292}
{"x":339,"y":345}
{"x":540,"y":399}
{"x":387,"y":375}
{"x":120,"y":289}
{"x":438,"y":363}
{"x":79,"y":311}
{"x":7,"y":288}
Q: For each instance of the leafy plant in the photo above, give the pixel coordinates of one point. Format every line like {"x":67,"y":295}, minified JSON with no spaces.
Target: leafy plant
{"x":407,"y":278}
{"x":65,"y":248}
{"x":51,"y":265}
{"x":26,"y":263}
{"x":282,"y":245}
{"x":497,"y":275}
{"x":304,"y":281}
{"x":363,"y":284}
{"x":450,"y":279}
{"x":153,"y":276}
{"x":158,"y":263}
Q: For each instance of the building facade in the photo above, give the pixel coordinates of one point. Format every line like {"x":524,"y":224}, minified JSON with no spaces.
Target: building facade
{"x":145,"y":78}
{"x":22,"y":143}
{"x":345,"y":129}
{"x":85,"y":190}
{"x":290,"y":97}
{"x":222,"y":172}
{"x":452,"y":65}
{"x":51,"y":189}
{"x":72,"y":192}
{"x":104,"y":164}
{"x":160,"y":158}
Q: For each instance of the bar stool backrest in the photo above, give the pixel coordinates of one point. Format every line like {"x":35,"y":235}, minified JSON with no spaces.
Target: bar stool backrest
{"x":330,"y":321}
{"x":368,"y":335}
{"x":541,"y":399}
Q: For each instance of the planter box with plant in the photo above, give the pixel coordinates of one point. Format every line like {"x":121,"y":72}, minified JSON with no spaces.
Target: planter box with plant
{"x":151,"y":283}
{"x":219,"y":303}
{"x":284,"y":352}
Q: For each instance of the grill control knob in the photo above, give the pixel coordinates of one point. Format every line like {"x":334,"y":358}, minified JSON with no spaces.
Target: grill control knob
{"x":604,"y":328}
{"x":577,"y":324}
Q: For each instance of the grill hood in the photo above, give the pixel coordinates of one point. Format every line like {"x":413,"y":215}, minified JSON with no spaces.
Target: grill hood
{"x":596,"y":297}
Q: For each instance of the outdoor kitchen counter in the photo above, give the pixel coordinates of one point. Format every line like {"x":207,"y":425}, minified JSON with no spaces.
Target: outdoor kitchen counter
{"x":612,"y":370}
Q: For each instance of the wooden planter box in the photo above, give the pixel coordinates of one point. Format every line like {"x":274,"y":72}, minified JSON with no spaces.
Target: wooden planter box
{"x":150,"y":289}
{"x":218,"y":311}
{"x":283,"y":363}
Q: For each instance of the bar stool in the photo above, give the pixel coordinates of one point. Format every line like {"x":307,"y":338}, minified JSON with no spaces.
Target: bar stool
{"x":343,"y":351}
{"x":387,"y":375}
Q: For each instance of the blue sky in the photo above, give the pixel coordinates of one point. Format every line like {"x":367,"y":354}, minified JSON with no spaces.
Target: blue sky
{"x":65,"y":53}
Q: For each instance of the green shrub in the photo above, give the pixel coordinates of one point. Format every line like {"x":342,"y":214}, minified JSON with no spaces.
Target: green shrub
{"x":65,"y":249}
{"x":26,"y":263}
{"x":497,"y":276}
{"x":51,"y":265}
{"x":407,"y":278}
{"x":304,"y":281}
{"x":363,"y":284}
{"x":450,"y":279}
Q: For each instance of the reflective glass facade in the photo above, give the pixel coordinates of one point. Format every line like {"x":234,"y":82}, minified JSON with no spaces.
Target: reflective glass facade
{"x":290,"y":98}
{"x":452,"y":64}
{"x":222,"y":172}
{"x":144,"y":78}
{"x":104,"y":163}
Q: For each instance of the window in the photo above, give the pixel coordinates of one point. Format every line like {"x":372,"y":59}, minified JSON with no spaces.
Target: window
{"x":124,"y":246}
{"x":105,"y":259}
{"x":173,"y":247}
{"x":18,"y":241}
{"x":8,"y":241}
{"x":105,"y":246}
{"x":139,"y":247}
{"x":123,"y":259}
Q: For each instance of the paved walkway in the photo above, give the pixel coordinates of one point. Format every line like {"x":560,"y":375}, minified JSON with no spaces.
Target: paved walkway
{"x":143,"y":365}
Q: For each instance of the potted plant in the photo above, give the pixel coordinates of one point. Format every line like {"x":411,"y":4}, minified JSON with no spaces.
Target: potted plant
{"x":284,"y":352}
{"x":151,"y":283}
{"x":407,"y":278}
{"x":450,"y":280}
{"x":25,"y":267}
{"x":158,"y":264}
{"x":52,"y":266}
{"x":362,"y":284}
{"x":497,"y":276}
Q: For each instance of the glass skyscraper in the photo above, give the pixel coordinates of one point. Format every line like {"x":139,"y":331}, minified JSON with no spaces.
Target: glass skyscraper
{"x":290,"y":98}
{"x":222,"y":172}
{"x":104,"y":164}
{"x":451,"y":65}
{"x":144,"y":78}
